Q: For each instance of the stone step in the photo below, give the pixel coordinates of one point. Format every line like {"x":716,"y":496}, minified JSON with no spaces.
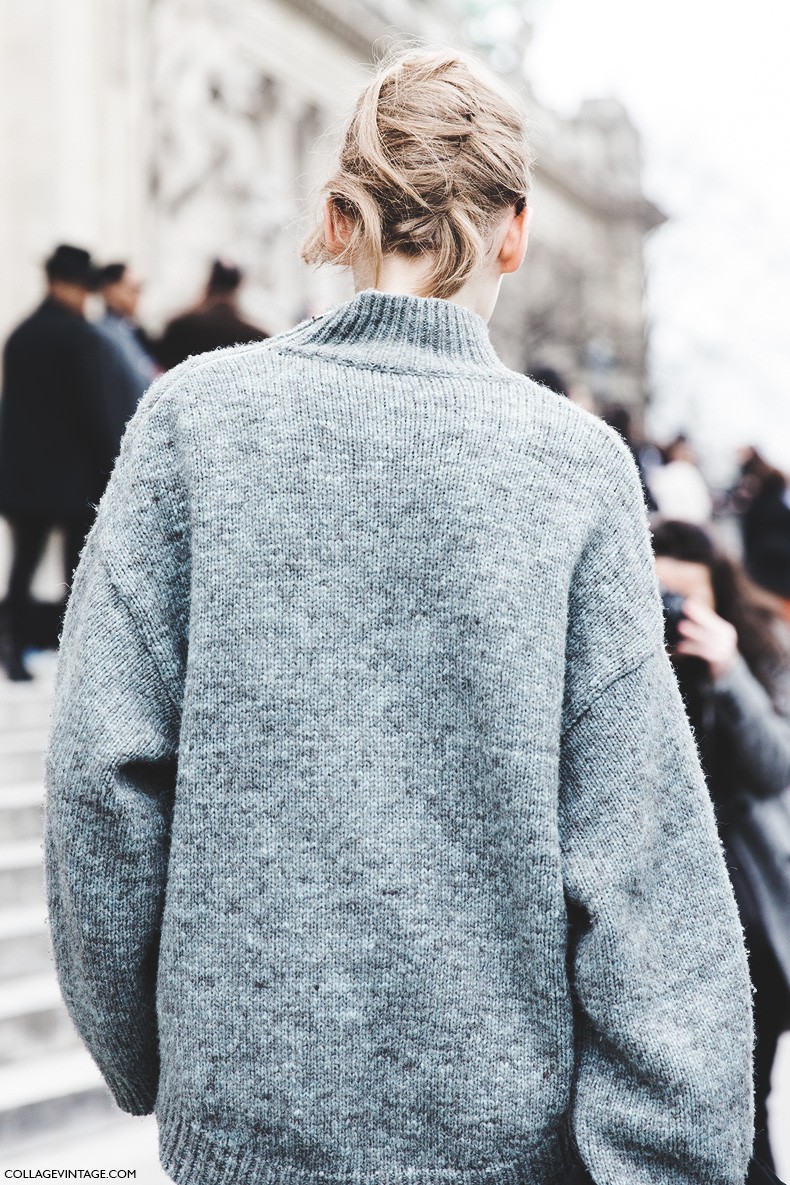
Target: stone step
{"x":105,"y":1142}
{"x":24,"y":941}
{"x":22,"y":756}
{"x":38,"y":691}
{"x":33,"y":1018}
{"x":21,"y":872}
{"x":24,"y":713}
{"x":34,"y":736}
{"x":42,"y":664}
{"x":22,"y":811}
{"x":50,"y":1092}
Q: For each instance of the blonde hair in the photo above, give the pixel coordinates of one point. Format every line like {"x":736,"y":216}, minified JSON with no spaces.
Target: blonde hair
{"x":435,"y":151}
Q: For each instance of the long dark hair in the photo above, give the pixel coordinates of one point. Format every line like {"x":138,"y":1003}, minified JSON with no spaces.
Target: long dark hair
{"x":754,"y":613}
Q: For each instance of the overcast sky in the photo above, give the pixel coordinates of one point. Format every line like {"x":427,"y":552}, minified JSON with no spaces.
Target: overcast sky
{"x":707,"y":82}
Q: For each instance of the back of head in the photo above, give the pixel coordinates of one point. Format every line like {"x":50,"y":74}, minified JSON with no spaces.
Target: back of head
{"x":224,"y":278}
{"x":435,"y":152}
{"x":72,"y":265}
{"x":111,"y":273}
{"x":679,"y":449}
{"x":547,"y":376}
{"x":679,"y":540}
{"x":764,"y":477}
{"x":619,"y":418}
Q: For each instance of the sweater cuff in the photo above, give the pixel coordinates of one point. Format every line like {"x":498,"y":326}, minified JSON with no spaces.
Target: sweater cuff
{"x":735,"y":679}
{"x":133,"y":1081}
{"x":135,"y":1098}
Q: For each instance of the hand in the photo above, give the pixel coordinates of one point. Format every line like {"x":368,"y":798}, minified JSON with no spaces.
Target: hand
{"x":708,"y":636}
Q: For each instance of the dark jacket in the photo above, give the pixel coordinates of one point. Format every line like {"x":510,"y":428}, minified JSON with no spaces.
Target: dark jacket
{"x":745,"y":749}
{"x":766,"y":540}
{"x":208,"y":327}
{"x":136,"y":366}
{"x":61,"y":419}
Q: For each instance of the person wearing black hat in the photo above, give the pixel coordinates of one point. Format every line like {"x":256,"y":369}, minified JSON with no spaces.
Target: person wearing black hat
{"x":61,"y":421}
{"x":213,"y":323}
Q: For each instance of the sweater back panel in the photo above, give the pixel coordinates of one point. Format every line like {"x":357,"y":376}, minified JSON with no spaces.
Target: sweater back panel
{"x":378,"y":851}
{"x":375,"y":803}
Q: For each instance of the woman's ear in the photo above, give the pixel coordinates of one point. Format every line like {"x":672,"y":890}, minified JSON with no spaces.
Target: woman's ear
{"x":513,"y":247}
{"x":337,"y":228}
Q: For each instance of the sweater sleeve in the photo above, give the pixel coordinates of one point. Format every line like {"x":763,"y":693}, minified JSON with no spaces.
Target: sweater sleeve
{"x":657,"y":965}
{"x":111,"y":766}
{"x":761,"y":736}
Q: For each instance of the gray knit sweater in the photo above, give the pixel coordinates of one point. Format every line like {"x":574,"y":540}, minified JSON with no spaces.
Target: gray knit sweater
{"x":377,"y":847}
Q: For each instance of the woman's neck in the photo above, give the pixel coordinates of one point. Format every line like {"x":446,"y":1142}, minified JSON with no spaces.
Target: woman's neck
{"x":405,"y":275}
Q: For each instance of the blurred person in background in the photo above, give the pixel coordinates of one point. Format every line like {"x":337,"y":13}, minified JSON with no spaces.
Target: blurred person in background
{"x":581,"y":395}
{"x":547,"y":376}
{"x":747,"y":483}
{"x":619,"y":418}
{"x":61,"y":421}
{"x":765,"y":525}
{"x":213,"y":323}
{"x":732,"y":661}
{"x":120,"y":290}
{"x":678,"y":487}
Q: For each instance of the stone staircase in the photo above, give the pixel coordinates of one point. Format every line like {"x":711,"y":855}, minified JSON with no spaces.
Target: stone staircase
{"x":50,"y":1089}
{"x":48,"y":1081}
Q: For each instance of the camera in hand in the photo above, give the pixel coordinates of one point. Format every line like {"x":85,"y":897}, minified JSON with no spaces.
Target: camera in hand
{"x":694,"y":681}
{"x":673,"y":615}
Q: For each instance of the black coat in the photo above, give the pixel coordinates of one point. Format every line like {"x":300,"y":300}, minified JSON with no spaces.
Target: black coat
{"x":766,"y":541}
{"x":210,"y":326}
{"x":62,"y":416}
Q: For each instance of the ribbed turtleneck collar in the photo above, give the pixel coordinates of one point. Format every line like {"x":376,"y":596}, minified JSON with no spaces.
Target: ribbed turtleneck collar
{"x":410,"y":333}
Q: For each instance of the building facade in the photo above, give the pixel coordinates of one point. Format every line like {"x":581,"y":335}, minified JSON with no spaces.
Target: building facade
{"x":170,"y":131}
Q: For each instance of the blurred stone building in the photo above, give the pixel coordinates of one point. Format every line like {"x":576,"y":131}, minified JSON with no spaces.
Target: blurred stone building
{"x":169,"y":131}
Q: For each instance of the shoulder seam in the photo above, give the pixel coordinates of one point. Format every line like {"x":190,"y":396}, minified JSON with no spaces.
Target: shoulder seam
{"x":499,"y":375}
{"x":170,"y":378}
{"x":138,"y":625}
{"x":601,"y":691}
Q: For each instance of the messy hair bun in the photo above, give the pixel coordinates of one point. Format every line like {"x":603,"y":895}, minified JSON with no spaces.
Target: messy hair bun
{"x":435,"y":152}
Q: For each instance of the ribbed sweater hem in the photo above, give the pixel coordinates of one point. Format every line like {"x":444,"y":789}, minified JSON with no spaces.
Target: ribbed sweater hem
{"x":193,"y":1155}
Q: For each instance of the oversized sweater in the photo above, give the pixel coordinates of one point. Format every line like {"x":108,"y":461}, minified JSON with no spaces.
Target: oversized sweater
{"x":377,"y":844}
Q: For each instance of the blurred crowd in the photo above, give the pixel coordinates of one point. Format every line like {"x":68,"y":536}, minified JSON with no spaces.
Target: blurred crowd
{"x":70,"y":385}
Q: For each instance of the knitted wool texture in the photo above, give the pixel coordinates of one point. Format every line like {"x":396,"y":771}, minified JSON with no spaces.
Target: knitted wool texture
{"x":377,"y":846}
